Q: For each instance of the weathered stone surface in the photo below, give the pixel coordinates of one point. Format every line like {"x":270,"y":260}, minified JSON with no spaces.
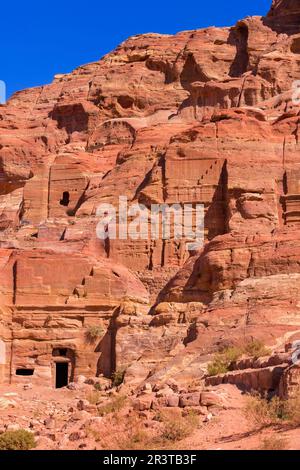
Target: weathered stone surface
{"x":285,"y":14}
{"x":205,"y":116}
{"x":290,"y":382}
{"x":262,"y":380}
{"x":172,"y":400}
{"x":85,"y":405}
{"x":211,"y":398}
{"x":189,"y":399}
{"x":143,"y":402}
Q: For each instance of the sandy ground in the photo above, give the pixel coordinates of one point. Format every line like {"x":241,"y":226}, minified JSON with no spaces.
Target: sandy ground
{"x":57,"y":423}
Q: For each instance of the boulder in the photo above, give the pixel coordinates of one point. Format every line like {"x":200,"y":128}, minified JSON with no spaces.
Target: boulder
{"x":189,"y":399}
{"x":143,"y":402}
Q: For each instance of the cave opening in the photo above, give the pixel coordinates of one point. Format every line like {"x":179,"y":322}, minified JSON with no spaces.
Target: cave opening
{"x":25,"y":372}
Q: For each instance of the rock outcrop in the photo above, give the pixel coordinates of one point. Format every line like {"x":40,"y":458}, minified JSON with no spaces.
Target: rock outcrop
{"x":206,"y":117}
{"x":285,"y":13}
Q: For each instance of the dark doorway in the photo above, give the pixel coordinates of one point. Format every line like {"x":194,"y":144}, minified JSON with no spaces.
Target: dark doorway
{"x":61,"y":374}
{"x":65,"y":355}
{"x":25,"y":372}
{"x":65,"y":200}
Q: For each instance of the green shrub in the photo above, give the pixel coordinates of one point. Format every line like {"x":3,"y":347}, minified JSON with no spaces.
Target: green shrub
{"x":176,"y":428}
{"x":217,"y":367}
{"x":97,"y":387}
{"x":94,"y":332}
{"x":113,"y":406}
{"x":223,"y":360}
{"x":175,"y":431}
{"x":256,"y":348}
{"x":118,"y":377}
{"x":264,"y":412}
{"x":17,"y":440}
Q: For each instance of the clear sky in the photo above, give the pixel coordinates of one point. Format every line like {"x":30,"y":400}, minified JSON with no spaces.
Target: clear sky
{"x":41,"y":38}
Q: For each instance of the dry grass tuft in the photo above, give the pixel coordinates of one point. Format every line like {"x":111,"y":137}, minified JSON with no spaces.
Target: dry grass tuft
{"x":114,"y":406}
{"x":263,"y":412}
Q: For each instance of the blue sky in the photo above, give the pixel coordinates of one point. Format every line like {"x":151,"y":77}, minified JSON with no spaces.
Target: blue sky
{"x":45,"y":38}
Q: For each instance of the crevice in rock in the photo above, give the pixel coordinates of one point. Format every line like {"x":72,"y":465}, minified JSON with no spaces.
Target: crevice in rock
{"x":107,"y":361}
{"x":239,"y":38}
{"x":81,"y":200}
{"x":14,"y":282}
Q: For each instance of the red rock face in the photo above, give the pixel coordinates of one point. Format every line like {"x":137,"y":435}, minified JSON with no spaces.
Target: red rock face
{"x":284,"y":16}
{"x":206,"y":116}
{"x":289,"y":10}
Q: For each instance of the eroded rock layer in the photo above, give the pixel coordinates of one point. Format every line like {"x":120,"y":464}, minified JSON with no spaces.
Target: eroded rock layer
{"x":203,"y":117}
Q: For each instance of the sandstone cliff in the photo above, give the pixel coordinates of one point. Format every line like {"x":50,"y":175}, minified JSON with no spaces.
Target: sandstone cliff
{"x":205,"y":116}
